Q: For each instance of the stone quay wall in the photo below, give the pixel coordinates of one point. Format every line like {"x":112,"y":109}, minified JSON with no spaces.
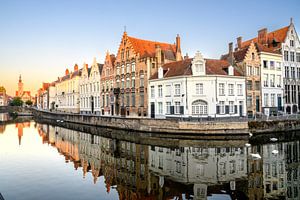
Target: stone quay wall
{"x":173,"y":126}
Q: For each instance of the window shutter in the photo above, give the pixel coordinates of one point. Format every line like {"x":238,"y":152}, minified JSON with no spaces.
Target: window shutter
{"x":226,"y":109}
{"x":172,"y":110}
{"x":218,"y":109}
{"x":235,"y":109}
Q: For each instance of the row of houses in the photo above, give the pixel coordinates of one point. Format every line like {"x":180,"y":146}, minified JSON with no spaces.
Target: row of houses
{"x":152,"y":79}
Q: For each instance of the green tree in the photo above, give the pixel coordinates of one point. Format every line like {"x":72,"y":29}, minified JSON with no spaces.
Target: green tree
{"x":17,"y":101}
{"x":28,"y":102}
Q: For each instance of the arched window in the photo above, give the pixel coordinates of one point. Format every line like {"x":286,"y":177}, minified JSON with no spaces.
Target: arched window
{"x":199,"y":107}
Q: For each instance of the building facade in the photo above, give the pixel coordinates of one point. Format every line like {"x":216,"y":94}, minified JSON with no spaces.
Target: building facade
{"x":89,"y":86}
{"x":247,"y":62}
{"x":136,"y":61}
{"x":3,"y":96}
{"x":67,"y":91}
{"x":107,"y":85}
{"x":24,"y":95}
{"x":197,"y":88}
{"x":286,"y":41}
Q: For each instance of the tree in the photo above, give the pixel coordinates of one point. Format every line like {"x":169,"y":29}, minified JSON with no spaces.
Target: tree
{"x":17,"y":101}
{"x":29,"y":103}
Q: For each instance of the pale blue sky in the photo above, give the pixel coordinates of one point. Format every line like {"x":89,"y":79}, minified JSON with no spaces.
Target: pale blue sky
{"x":39,"y":39}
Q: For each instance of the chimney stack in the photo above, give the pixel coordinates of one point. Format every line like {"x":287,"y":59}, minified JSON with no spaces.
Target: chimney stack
{"x":230,"y":47}
{"x":67,"y":72}
{"x":186,"y":56}
{"x":262,"y":37}
{"x":75,"y":67}
{"x":239,"y":42}
{"x":230,"y":52}
{"x":178,"y":48}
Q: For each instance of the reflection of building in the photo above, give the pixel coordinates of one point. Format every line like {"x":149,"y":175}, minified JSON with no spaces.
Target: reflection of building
{"x":2,"y":128}
{"x":20,"y":127}
{"x":24,"y":95}
{"x":202,"y":167}
{"x":292,"y":150}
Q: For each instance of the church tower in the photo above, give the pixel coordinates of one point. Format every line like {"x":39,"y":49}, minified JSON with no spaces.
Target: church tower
{"x":20,"y":86}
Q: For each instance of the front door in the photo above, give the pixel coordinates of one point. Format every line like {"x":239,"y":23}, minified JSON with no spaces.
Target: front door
{"x":112,"y":109}
{"x":152,"y":110}
{"x":241,"y":109}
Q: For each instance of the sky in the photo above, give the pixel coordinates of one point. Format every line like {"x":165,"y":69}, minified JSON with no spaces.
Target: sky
{"x":39,"y":39}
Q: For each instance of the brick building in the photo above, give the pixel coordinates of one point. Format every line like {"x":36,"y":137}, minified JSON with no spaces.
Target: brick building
{"x":107,"y":85}
{"x":136,"y":61}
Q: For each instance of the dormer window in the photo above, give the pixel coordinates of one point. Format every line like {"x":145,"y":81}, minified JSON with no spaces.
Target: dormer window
{"x":198,"y":64}
{"x":291,"y":43}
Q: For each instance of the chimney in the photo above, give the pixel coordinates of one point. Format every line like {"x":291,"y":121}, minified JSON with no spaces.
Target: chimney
{"x":158,"y":55}
{"x":67,"y":72}
{"x":75,"y":67}
{"x":262,"y":37}
{"x":178,"y":48}
{"x":239,"y":42}
{"x":230,"y":53}
{"x":186,"y":56}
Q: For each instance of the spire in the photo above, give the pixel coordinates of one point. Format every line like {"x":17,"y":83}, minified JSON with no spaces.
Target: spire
{"x":20,"y":79}
{"x":95,"y":61}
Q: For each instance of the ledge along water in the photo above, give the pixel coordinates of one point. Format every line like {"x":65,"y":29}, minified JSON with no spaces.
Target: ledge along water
{"x":174,"y":127}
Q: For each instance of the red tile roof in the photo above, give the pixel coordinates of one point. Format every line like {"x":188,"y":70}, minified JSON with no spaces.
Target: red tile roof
{"x":183,"y":68}
{"x":146,"y":48}
{"x":262,"y":48}
{"x":238,"y":55}
{"x":277,"y":36}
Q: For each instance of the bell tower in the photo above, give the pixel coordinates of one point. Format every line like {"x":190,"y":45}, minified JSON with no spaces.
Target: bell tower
{"x":20,"y":86}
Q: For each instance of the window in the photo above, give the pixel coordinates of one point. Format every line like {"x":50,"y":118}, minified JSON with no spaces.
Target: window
{"x":168,"y":107}
{"x":199,"y":88}
{"x":128,"y":68}
{"x":118,"y":70}
{"x":132,"y":82}
{"x":292,"y":54}
{"x":122,"y":84}
{"x":142,"y":80}
{"x":249,"y":101}
{"x":127,"y":83}
{"x":286,"y":56}
{"x":240,"y":89}
{"x":230,"y":89}
{"x":273,"y":100}
{"x":293,"y":72}
{"x":265,"y":64}
{"x":221,"y":89}
{"x":278,"y":80}
{"x":160,"y":108}
{"x":141,"y":99}
{"x":249,"y":70}
{"x":107,"y":99}
{"x":152,"y":92}
{"x":177,"y":89}
{"x":266,"y":80}
{"x":199,"y":107}
{"x":222,"y":107}
{"x":177,"y":107}
{"x":298,"y":57}
{"x":127,"y":54}
{"x":168,"y":90}
{"x":132,"y":99}
{"x":252,"y":56}
{"x":133,"y":67}
{"x":160,"y":92}
{"x":287,"y":73}
{"x":272,"y":80}
{"x":278,"y":65}
{"x":257,"y":85}
{"x":249,"y":85}
{"x":231,"y":107}
{"x":272,"y":64}
{"x":256,"y":71}
{"x":266,"y":99}
{"x":291,"y":43}
{"x":127,"y":99}
{"x":122,"y":69}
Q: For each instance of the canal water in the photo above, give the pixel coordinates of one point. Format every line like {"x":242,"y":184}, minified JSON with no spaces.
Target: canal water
{"x":41,"y":161}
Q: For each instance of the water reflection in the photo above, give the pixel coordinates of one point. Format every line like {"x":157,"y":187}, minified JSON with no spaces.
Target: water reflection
{"x":139,"y":171}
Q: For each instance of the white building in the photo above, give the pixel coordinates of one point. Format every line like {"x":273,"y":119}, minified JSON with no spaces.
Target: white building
{"x":197,"y":87}
{"x":272,"y":80}
{"x":67,"y":91}
{"x":90,"y":89}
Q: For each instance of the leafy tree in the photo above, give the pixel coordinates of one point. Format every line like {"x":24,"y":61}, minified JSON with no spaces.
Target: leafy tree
{"x":29,"y":102}
{"x":17,"y":101}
